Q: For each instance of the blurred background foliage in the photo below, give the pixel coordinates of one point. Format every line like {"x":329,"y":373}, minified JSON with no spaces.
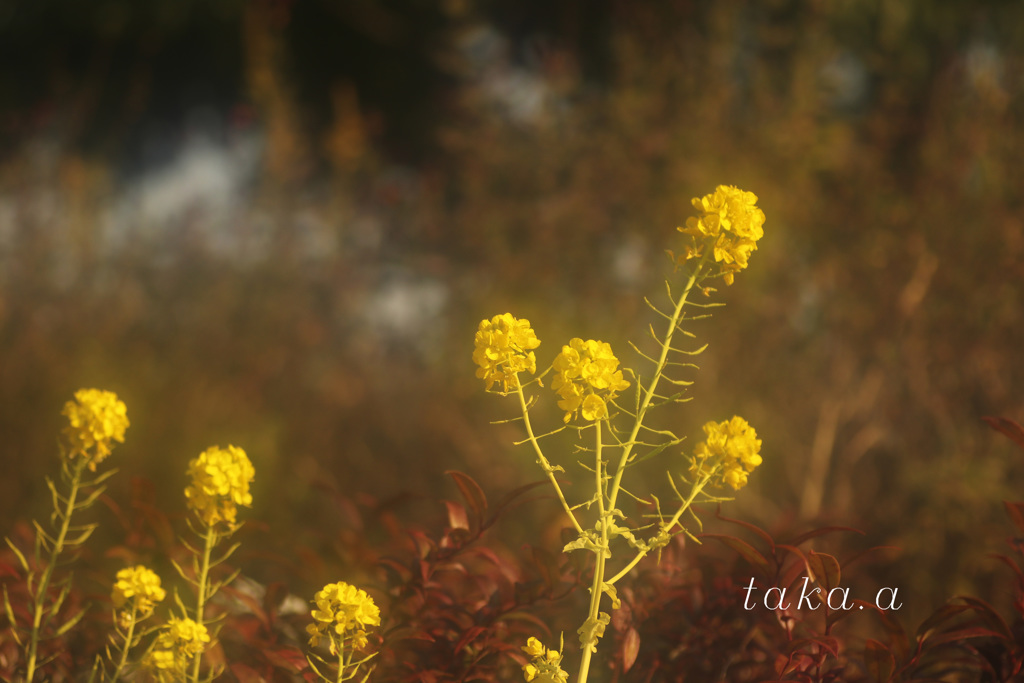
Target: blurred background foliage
{"x":277,"y":223}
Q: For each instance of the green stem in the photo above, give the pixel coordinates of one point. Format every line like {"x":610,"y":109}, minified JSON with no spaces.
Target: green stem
{"x":544,"y":461}
{"x":627,"y":449}
{"x":127,"y":644}
{"x":665,"y":527}
{"x":38,"y":606}
{"x":210,"y":541}
{"x":597,"y":587}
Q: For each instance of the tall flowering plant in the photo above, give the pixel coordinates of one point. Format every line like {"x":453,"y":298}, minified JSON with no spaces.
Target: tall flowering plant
{"x":219,"y":480}
{"x":96,"y":419}
{"x":341,"y":619}
{"x":590,"y":387}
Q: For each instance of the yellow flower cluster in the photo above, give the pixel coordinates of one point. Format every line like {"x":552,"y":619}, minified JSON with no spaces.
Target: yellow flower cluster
{"x":730,"y":223}
{"x":138,"y":586}
{"x":730,"y":452}
{"x":95,"y":419}
{"x":502,"y":349}
{"x":179,"y":641}
{"x":587,"y":378}
{"x":220,"y":480}
{"x":342,"y":614}
{"x":546,"y":666}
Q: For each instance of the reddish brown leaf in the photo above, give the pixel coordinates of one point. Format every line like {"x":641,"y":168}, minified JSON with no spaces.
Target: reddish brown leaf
{"x":1008,"y":428}
{"x":244,"y":674}
{"x":747,"y":525}
{"x":879,"y":661}
{"x":287,"y":658}
{"x":472,"y":492}
{"x":630,"y":649}
{"x":993,"y":619}
{"x":457,"y":518}
{"x":1016,"y":512}
{"x":824,"y":570}
{"x":958,"y":635}
{"x":821,"y":531}
{"x":747,"y":551}
{"x":273,"y":597}
{"x":939,"y":618}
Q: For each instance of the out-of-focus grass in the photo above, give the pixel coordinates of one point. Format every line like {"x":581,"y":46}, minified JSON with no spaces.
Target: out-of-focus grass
{"x":324,"y":322}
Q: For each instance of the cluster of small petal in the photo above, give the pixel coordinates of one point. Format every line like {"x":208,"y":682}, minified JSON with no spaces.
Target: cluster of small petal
{"x":95,"y":418}
{"x":545,"y":665}
{"x":730,"y":224}
{"x":731,"y":451}
{"x":587,"y":377}
{"x":137,"y":588}
{"x":503,"y":348}
{"x":179,"y":641}
{"x":220,"y":479}
{"x":342,"y":614}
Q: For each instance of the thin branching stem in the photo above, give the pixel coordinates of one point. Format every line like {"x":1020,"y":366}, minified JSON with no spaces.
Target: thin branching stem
{"x":39,"y":599}
{"x":127,"y":643}
{"x":210,"y":540}
{"x":651,"y":388}
{"x":597,"y":587}
{"x":685,"y":506}
{"x":548,"y":469}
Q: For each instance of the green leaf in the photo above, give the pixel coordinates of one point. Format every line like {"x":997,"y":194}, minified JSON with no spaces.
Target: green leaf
{"x":10,"y":616}
{"x":588,"y":540}
{"x":83,"y":537}
{"x":70,"y":623}
{"x":181,"y":572}
{"x":653,"y":452}
{"x":100,"y":479}
{"x":610,"y":590}
{"x":90,"y":499}
{"x":228,"y":553}
{"x":65,"y":589}
{"x":57,"y":498}
{"x":21,"y":558}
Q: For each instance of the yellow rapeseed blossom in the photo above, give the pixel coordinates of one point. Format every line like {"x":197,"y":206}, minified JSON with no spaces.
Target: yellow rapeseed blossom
{"x":546,"y":665}
{"x":732,"y":447}
{"x":587,"y":377}
{"x":95,"y":419}
{"x":502,"y":349}
{"x":189,"y":637}
{"x":138,"y":587}
{"x":179,"y":641}
{"x":343,"y":613}
{"x":730,"y":224}
{"x":220,"y":480}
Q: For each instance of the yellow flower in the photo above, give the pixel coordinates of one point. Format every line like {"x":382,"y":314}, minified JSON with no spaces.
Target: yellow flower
{"x":165,"y":666}
{"x":179,"y":641}
{"x":342,"y":614}
{"x":587,"y":377}
{"x":731,"y":451}
{"x":534,"y":648}
{"x":502,"y":349}
{"x":546,"y":666}
{"x":220,"y":480}
{"x":95,"y":418}
{"x":186,"y":635}
{"x":730,"y":223}
{"x":140,"y":586}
